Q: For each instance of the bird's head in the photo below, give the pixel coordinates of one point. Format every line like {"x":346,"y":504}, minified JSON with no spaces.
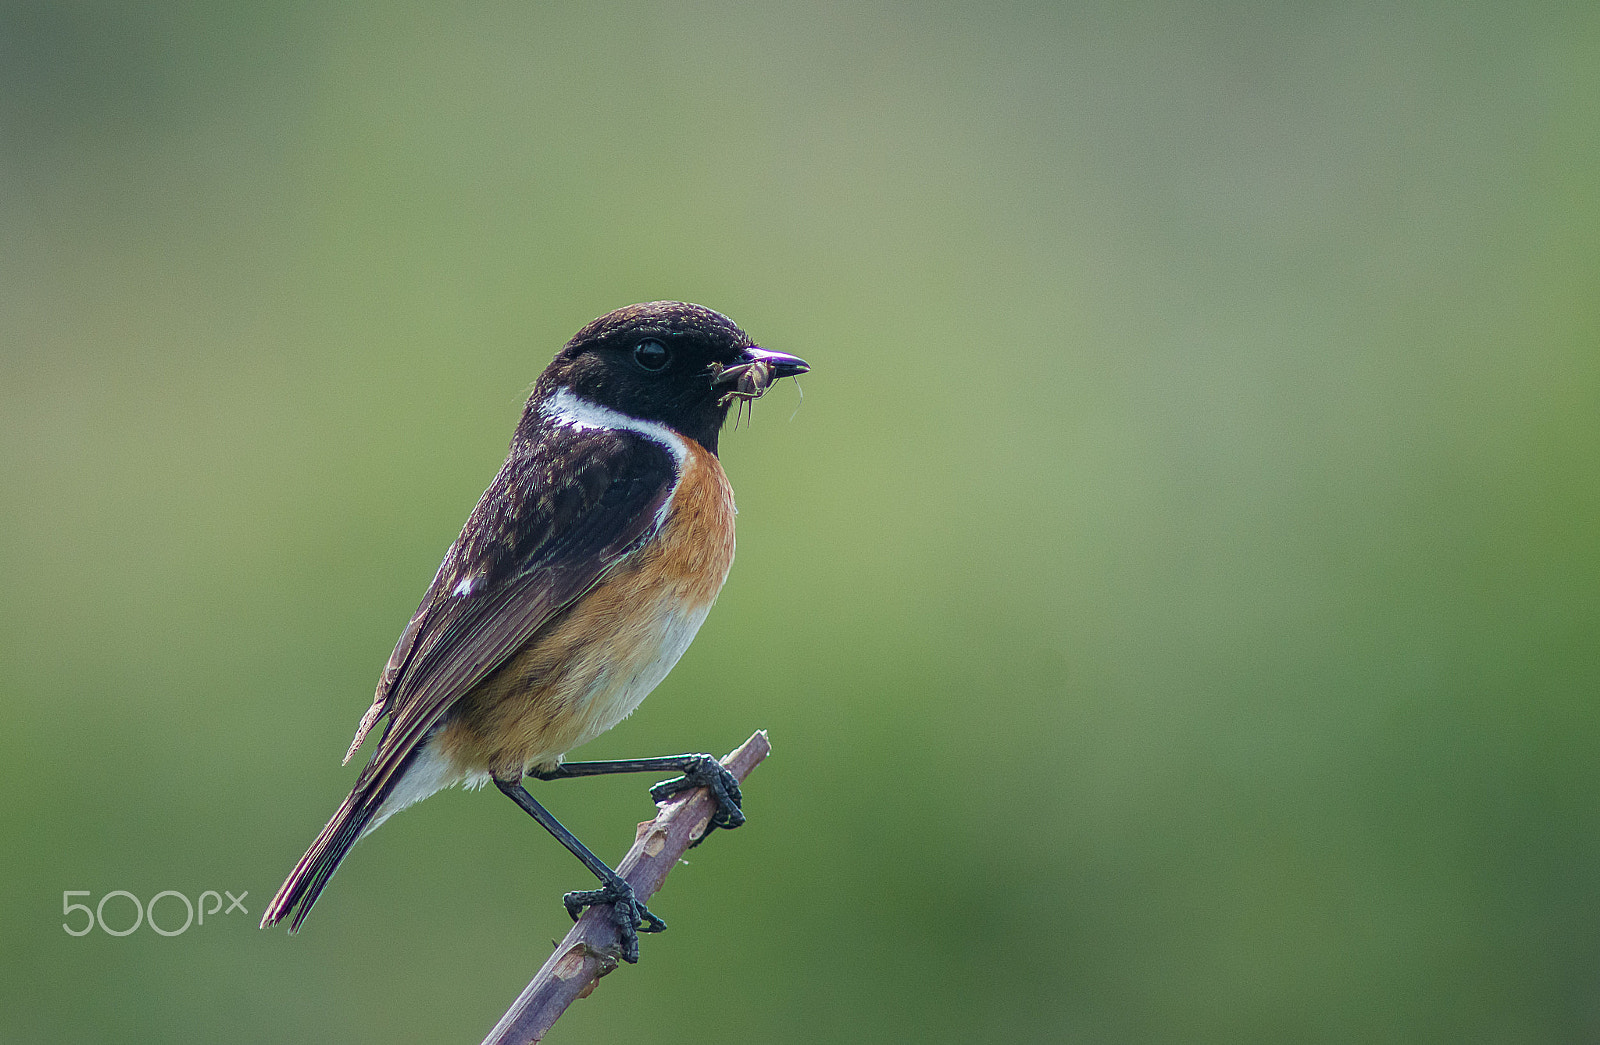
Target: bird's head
{"x":668,"y":361}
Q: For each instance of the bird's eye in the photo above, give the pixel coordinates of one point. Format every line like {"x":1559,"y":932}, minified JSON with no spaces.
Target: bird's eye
{"x":651,"y":355}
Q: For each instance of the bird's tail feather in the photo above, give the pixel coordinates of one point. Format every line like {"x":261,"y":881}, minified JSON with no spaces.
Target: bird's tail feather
{"x":310,"y":876}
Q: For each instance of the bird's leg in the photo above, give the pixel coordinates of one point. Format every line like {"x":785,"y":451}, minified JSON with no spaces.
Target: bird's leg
{"x":698,"y":771}
{"x":630,"y":916}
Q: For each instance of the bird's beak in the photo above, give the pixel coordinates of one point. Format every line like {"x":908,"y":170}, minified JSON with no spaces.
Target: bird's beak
{"x":782,"y":365}
{"x":756,"y":370}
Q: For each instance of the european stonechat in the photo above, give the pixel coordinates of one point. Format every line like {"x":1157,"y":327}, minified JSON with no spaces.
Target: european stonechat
{"x":578,"y":581}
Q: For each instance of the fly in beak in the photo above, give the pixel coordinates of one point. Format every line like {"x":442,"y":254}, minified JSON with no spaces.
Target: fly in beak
{"x":755,"y":372}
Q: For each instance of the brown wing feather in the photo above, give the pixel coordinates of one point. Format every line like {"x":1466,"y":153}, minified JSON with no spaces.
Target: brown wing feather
{"x":538,"y":545}
{"x":564,"y":510}
{"x":397,"y":662}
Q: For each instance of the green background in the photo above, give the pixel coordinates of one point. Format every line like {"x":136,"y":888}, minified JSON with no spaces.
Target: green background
{"x":1174,"y":604}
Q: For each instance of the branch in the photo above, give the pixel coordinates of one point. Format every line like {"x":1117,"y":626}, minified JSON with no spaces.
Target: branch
{"x":590,"y":949}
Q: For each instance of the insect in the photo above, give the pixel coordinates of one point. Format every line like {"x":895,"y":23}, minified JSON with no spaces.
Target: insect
{"x":750,"y":382}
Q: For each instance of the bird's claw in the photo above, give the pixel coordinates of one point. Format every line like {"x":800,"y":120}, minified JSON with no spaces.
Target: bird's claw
{"x":628,"y":913}
{"x":708,"y":773}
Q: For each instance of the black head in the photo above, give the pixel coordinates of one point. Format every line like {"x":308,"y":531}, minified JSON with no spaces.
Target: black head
{"x":666,"y":361}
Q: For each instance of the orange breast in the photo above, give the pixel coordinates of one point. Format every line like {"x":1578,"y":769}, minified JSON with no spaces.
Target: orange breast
{"x":589,"y":666}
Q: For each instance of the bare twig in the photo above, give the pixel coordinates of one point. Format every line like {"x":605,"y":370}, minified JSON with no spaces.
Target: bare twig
{"x":590,"y":950}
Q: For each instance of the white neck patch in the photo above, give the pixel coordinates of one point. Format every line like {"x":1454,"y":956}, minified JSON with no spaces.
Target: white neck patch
{"x":568,"y":408}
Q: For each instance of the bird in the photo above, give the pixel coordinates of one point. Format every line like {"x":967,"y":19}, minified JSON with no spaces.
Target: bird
{"x":577,"y":582}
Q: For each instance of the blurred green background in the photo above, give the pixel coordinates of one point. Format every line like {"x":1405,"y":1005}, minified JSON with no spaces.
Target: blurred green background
{"x":1174,"y":604}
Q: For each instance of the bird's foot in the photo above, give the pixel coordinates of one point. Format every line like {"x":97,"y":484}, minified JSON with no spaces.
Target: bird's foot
{"x":628,"y":914}
{"x":705,"y":771}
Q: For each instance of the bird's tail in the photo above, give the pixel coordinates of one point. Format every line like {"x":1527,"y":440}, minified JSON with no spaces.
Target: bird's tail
{"x":310,"y":876}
